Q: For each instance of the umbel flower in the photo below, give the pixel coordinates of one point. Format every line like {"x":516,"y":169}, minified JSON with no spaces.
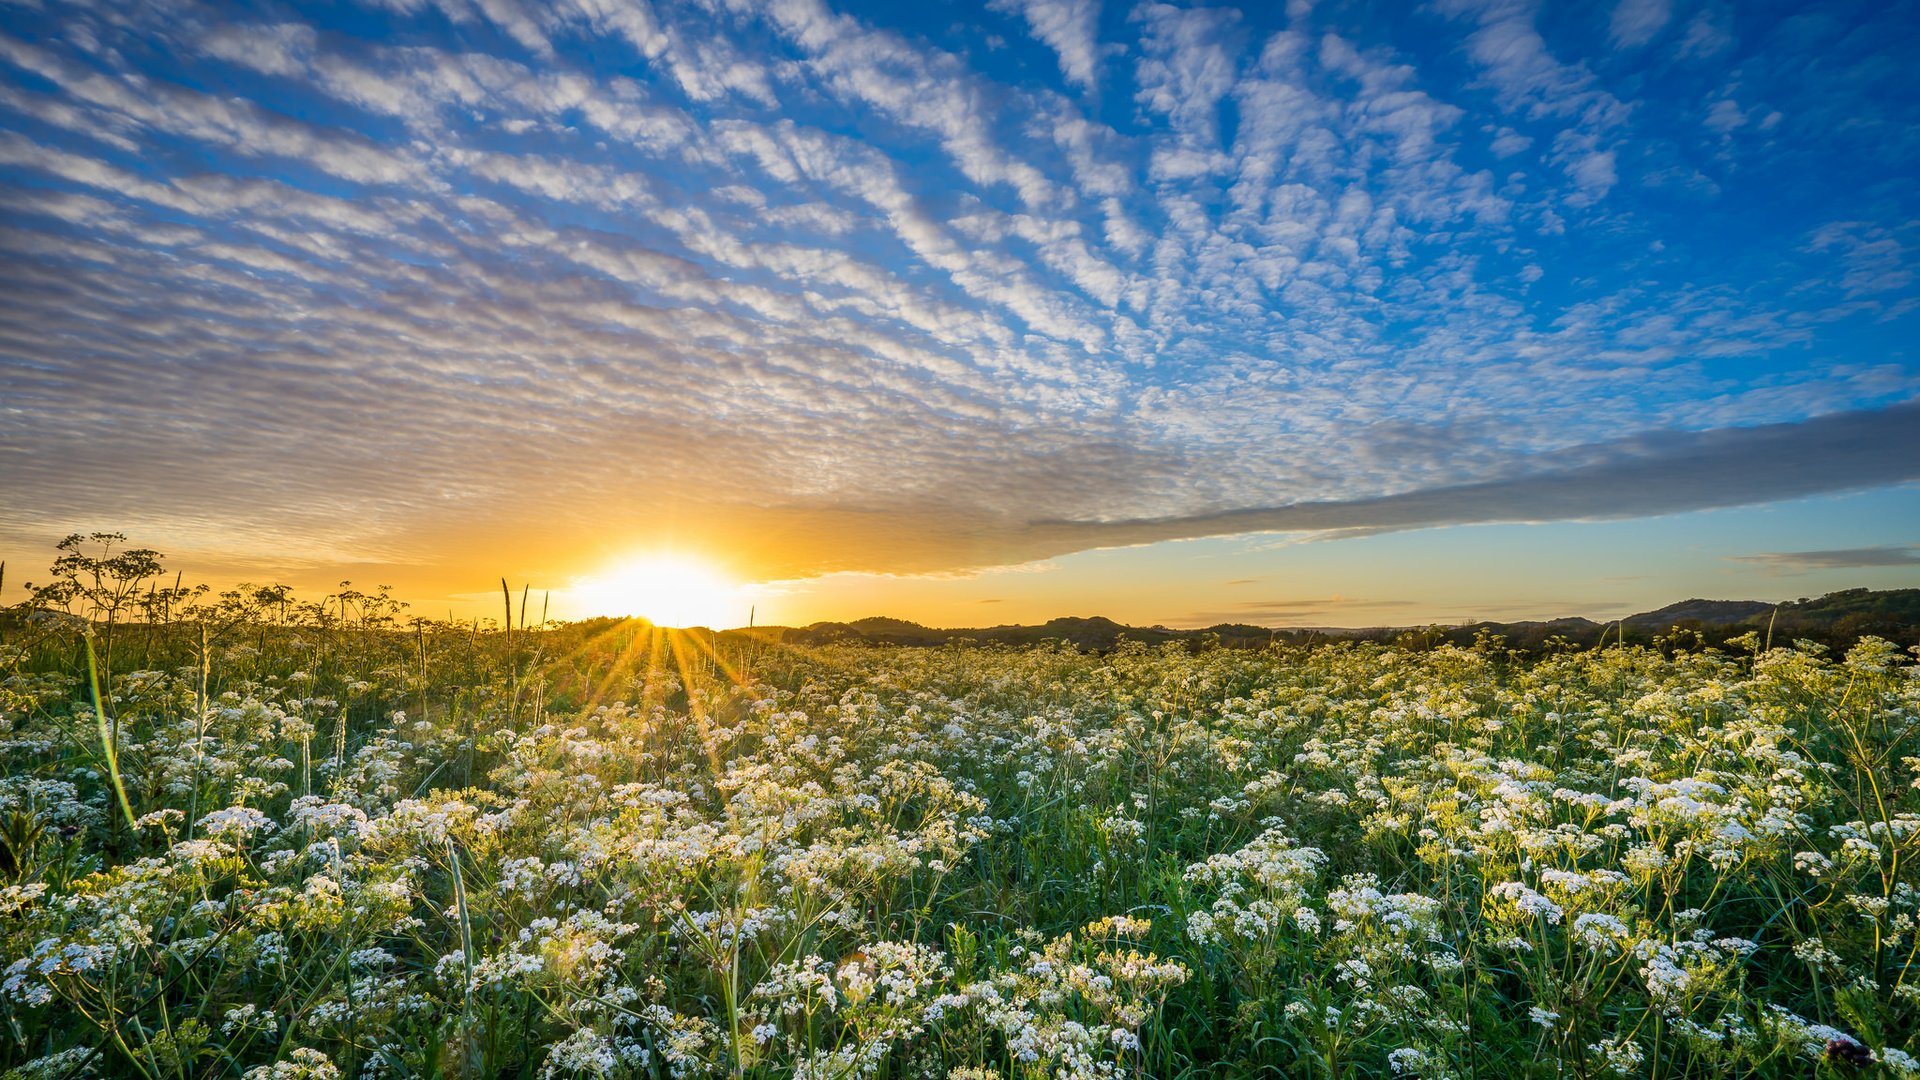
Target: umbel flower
{"x":566,"y":854}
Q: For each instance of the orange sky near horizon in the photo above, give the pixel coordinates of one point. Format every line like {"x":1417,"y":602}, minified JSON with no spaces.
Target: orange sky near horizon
{"x":1413,"y":577}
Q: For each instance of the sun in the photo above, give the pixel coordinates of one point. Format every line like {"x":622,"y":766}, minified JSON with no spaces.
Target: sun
{"x":666,"y":589}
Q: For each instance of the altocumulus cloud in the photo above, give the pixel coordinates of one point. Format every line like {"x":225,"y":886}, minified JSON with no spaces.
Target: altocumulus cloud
{"x":855,"y":291}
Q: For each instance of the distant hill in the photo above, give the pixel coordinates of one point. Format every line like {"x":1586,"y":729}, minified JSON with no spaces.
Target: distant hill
{"x":1090,"y":633}
{"x":1836,"y":620}
{"x":1704,"y":612}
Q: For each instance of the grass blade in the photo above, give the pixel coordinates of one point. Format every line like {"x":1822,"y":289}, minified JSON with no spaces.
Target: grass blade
{"x":107,"y":739}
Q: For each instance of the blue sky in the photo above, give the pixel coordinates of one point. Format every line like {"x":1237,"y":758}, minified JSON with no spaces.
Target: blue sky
{"x":901,"y":296}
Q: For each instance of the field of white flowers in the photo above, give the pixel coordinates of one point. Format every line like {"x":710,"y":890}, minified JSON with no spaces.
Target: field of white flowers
{"x":360,"y":850}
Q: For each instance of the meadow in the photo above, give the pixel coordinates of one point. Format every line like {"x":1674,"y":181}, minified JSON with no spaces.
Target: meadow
{"x":248,"y":835}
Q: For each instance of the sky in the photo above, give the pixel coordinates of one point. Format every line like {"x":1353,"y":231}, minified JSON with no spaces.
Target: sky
{"x":1286,"y":314}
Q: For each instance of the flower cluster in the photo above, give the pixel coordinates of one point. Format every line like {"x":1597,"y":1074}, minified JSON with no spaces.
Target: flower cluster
{"x":325,"y":852}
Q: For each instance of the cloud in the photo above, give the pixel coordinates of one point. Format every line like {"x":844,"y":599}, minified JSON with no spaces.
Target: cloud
{"x":1707,"y":34}
{"x":1517,"y":63}
{"x":1635,"y":22}
{"x":1188,"y":64}
{"x":1068,"y":27}
{"x":1874,"y":258}
{"x":806,"y":287}
{"x":1320,"y":604}
{"x":1800,"y":562}
{"x":1656,"y":473}
{"x":1292,"y":612}
{"x":1508,"y":48}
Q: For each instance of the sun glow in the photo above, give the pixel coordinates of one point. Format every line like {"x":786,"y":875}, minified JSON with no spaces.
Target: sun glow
{"x":668,"y":590}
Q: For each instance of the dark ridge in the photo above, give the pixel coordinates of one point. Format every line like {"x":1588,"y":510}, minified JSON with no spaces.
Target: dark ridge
{"x":1836,"y":621}
{"x":1705,"y":612}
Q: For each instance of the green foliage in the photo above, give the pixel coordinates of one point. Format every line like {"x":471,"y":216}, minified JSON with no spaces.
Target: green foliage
{"x":367,"y":846}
